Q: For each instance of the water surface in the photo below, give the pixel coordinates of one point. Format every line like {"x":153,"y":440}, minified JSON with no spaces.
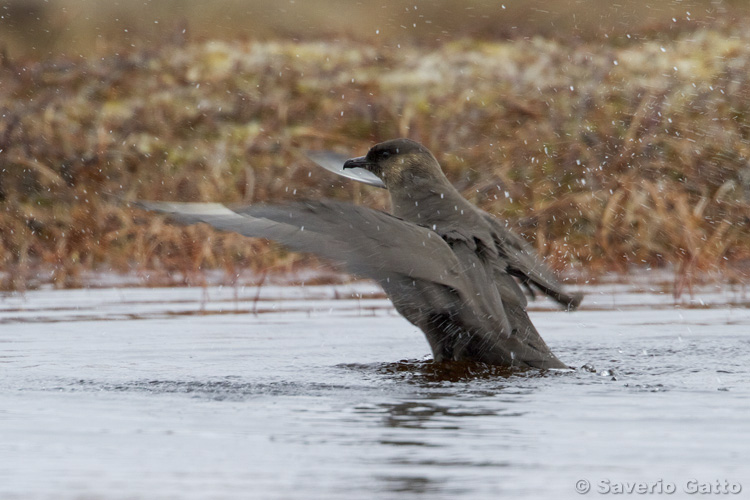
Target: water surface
{"x":316,"y":392}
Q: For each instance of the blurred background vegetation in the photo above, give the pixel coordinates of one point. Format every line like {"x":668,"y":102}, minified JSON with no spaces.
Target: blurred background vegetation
{"x":45,"y":28}
{"x":614,"y":136}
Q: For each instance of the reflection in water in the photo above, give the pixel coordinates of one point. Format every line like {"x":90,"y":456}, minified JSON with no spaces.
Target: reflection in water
{"x":410,"y":484}
{"x":452,"y":402}
{"x":423,"y":414}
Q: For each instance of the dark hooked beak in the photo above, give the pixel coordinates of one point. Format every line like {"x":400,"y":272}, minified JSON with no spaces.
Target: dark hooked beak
{"x":359,"y":162}
{"x":336,"y":163}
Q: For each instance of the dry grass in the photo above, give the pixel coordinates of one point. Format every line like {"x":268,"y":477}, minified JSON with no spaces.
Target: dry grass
{"x":606,"y":156}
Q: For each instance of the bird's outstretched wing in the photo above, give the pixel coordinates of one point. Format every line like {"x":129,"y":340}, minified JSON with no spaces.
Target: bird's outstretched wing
{"x":528,"y":268}
{"x":451,"y":296}
{"x":523,"y":263}
{"x":366,"y":242}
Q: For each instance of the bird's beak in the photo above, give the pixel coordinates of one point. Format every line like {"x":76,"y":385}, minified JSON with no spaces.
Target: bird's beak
{"x":359,"y":162}
{"x":336,"y":163}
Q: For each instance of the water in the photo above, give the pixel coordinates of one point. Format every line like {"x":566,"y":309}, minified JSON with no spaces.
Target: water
{"x":309,"y":393}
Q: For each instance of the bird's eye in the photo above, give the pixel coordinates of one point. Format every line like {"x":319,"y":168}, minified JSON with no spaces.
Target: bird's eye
{"x":385,"y":154}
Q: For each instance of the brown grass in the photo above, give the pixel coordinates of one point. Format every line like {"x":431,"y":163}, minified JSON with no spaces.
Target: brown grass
{"x":606,"y":156}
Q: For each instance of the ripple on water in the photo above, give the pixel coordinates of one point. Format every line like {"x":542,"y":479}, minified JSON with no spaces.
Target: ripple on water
{"x":217,"y":390}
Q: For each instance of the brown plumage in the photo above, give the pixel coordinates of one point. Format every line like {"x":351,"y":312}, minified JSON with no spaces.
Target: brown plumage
{"x":421,"y":193}
{"x":447,"y":266}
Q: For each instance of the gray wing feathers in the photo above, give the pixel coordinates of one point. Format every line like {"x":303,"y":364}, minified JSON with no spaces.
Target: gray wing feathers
{"x":509,"y":289}
{"x":427,"y":279}
{"x":367,"y":242}
{"x":526,"y":341}
{"x":530,"y":270}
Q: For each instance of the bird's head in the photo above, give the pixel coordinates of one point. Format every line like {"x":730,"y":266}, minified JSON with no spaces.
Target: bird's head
{"x":399,"y":163}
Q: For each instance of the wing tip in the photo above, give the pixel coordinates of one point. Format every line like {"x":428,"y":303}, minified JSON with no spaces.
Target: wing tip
{"x":573,"y":301}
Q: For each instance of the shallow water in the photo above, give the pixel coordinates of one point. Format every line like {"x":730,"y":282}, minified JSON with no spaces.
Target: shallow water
{"x":310,"y":393}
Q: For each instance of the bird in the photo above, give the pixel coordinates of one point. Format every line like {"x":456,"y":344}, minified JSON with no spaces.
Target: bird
{"x":448,"y":212}
{"x":449,"y":268}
